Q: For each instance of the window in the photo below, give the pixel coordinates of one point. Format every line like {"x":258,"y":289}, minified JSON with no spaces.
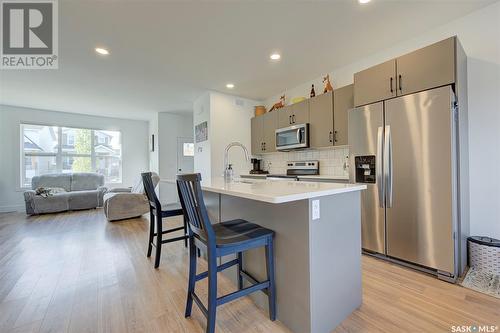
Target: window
{"x":188,"y":149}
{"x":53,"y":149}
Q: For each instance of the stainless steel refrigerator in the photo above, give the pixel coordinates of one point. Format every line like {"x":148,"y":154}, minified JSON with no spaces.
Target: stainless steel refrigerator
{"x":405,"y":150}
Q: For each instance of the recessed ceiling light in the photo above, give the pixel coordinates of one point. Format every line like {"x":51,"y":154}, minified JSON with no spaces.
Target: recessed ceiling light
{"x":229,"y":86}
{"x":102,"y":51}
{"x":275,"y":56}
{"x":364,"y":1}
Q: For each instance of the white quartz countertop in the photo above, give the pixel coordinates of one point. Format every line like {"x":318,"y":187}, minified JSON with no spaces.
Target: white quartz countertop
{"x":275,"y":191}
{"x":320,"y":177}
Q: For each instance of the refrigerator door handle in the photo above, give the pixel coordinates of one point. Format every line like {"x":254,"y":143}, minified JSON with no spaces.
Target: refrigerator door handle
{"x":388,"y":174}
{"x":378,"y":168}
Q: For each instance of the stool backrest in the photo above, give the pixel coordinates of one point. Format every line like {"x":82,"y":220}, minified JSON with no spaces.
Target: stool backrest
{"x":149,"y":189}
{"x":191,"y":197}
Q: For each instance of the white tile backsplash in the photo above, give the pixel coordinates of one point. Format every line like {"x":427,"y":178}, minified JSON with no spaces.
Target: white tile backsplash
{"x":332,"y":161}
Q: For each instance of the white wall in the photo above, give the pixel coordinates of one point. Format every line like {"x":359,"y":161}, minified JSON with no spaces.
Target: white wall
{"x":170,"y":127}
{"x":134,"y":133}
{"x":228,"y":121}
{"x":479,"y":33}
{"x":201,"y":113}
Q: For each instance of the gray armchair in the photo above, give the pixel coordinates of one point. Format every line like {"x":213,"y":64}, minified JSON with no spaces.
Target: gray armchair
{"x":125,"y":203}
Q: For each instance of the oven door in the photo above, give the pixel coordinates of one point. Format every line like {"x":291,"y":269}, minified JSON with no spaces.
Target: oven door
{"x":292,"y":137}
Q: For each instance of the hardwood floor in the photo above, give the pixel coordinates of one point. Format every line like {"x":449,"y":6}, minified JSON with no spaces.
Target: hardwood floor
{"x":75,"y":272}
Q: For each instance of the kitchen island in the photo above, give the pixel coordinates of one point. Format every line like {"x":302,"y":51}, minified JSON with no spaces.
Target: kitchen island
{"x":317,"y":245}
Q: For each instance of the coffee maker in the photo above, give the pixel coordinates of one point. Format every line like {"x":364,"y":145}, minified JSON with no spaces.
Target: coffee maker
{"x":256,"y":170}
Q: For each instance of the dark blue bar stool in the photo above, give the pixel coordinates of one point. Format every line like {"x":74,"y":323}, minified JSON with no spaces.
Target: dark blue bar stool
{"x":157,"y":214}
{"x":222,"y":239}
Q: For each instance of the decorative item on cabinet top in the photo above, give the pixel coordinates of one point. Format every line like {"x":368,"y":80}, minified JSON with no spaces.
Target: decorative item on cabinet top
{"x":328,"y":86}
{"x":279,"y":104}
{"x":260,"y":110}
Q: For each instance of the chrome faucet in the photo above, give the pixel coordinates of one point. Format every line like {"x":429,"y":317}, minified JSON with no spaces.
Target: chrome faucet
{"x":228,"y":171}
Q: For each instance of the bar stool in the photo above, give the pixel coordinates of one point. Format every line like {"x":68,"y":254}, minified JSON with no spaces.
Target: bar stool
{"x":157,"y":214}
{"x":222,"y":239}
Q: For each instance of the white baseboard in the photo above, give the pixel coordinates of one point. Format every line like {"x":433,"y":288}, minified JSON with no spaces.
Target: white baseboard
{"x":15,"y":208}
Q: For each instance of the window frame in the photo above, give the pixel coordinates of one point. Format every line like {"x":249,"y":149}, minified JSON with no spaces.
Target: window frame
{"x":59,"y":154}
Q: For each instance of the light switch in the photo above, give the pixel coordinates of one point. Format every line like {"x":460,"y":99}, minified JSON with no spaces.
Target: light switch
{"x":315,"y":210}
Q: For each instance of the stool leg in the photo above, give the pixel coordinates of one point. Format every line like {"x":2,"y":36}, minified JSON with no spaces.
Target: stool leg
{"x":159,"y":231}
{"x":240,"y":268}
{"x":212,"y":293}
{"x":185,"y":231}
{"x":270,"y":276}
{"x":192,"y":275}
{"x":151,"y":232}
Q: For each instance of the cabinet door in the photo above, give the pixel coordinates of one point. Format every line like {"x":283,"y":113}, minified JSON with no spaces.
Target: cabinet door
{"x":343,"y":101}
{"x":284,"y":116}
{"x":321,"y":120}
{"x":300,"y":112}
{"x":257,"y":124}
{"x":430,"y":67}
{"x":375,"y":83}
{"x":270,"y":120}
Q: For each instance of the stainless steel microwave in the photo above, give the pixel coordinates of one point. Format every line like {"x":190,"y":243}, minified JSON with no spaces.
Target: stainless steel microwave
{"x":293,"y":137}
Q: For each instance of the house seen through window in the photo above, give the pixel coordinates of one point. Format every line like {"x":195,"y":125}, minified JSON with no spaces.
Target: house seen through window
{"x":54,"y":149}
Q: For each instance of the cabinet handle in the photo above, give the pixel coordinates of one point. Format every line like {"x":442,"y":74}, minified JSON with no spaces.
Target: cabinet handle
{"x":392,"y":90}
{"x":289,"y":120}
{"x":293,"y":119}
{"x":335,"y":136}
{"x":331,"y":136}
{"x":400,"y":85}
{"x":264,"y":146}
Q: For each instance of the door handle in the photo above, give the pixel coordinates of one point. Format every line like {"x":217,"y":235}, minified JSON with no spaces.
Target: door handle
{"x":379,"y":167}
{"x":392,"y":90}
{"x":388,"y":170}
{"x":400,"y":84}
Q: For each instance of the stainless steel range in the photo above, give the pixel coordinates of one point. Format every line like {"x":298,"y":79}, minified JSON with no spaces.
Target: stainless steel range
{"x":297,"y":168}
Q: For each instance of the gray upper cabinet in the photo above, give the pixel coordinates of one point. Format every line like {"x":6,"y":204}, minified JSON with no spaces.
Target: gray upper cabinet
{"x":375,"y":83}
{"x":257,"y":124}
{"x":300,"y":112}
{"x":284,"y":116}
{"x":426,"y":68}
{"x":321,"y":120}
{"x":270,"y":122}
{"x":343,"y":101}
{"x":297,"y":113}
{"x":263,"y":133}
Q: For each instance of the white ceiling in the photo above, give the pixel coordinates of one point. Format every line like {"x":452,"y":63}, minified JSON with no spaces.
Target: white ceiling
{"x":164,"y":54}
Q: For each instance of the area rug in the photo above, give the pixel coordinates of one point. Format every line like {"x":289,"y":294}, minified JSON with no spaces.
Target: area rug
{"x":483,"y":282}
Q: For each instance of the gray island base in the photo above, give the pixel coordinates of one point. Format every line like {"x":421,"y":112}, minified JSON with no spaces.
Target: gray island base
{"x":317,"y":260}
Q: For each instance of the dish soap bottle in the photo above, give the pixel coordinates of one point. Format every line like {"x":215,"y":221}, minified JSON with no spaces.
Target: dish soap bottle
{"x":228,"y":173}
{"x":313,"y":93}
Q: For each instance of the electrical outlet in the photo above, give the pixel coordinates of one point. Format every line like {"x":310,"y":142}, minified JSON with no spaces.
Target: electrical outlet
{"x":315,"y":210}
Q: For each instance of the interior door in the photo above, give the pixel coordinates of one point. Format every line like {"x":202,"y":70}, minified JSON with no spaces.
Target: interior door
{"x":365,"y":129}
{"x":419,"y":202}
{"x":185,"y":155}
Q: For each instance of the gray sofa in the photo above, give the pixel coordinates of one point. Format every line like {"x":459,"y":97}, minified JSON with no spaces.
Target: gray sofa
{"x":125,"y":203}
{"x":82,"y":191}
